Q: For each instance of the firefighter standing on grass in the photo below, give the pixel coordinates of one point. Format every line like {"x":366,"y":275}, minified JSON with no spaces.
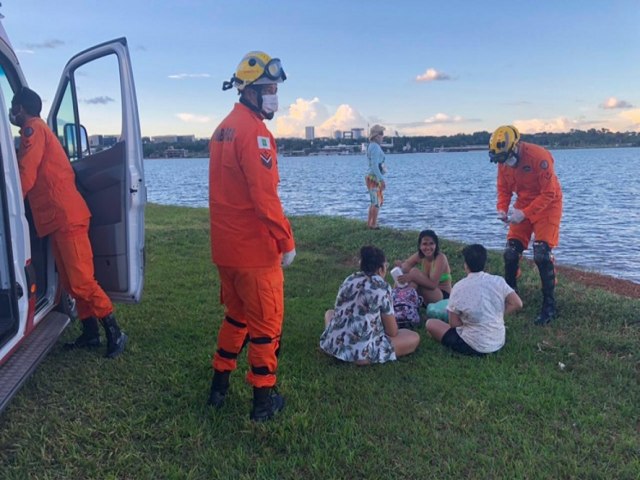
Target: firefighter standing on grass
{"x":251,"y":239}
{"x":528,"y":171}
{"x":60,"y":212}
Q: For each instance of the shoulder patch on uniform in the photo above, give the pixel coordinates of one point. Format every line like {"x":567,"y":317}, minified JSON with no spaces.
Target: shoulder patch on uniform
{"x":266,"y":160}
{"x":28,"y":131}
{"x":263,"y":142}
{"x":544,"y":164}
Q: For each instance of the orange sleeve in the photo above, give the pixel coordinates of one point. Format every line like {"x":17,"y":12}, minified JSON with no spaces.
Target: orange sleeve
{"x":30,"y":155}
{"x":505,"y":190}
{"x":549,"y":188}
{"x":260,"y":166}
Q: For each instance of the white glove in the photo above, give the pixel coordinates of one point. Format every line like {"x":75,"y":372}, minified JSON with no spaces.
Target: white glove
{"x":287,"y":258}
{"x":502,"y":216}
{"x":515,"y":215}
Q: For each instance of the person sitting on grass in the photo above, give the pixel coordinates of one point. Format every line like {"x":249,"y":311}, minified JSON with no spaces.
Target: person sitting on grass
{"x":476,"y":309}
{"x":362,"y":328}
{"x":433,"y":282}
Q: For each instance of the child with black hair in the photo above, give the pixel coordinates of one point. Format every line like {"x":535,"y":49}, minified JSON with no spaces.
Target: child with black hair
{"x":477,"y":306}
{"x":362,"y":328}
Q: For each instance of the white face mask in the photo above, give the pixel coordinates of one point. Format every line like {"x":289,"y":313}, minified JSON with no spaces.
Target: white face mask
{"x":14,"y":118}
{"x":270,"y":103}
{"x":511,"y":161}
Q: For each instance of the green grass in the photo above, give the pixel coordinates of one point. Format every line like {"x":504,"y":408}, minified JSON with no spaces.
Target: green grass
{"x":433,"y":414}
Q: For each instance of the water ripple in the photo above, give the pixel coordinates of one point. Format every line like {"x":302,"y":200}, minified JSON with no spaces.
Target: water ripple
{"x":454,"y":194}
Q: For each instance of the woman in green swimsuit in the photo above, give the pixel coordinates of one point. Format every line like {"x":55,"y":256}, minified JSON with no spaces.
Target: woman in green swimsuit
{"x":433,"y":281}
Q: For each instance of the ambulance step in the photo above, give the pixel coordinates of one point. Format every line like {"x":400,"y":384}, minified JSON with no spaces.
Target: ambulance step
{"x":24,"y":361}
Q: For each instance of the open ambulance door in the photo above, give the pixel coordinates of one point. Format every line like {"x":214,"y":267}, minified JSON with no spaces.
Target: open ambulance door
{"x":95,"y":115}
{"x":10,"y":288}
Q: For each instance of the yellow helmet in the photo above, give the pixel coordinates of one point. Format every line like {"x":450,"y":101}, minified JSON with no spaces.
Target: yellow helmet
{"x":502,"y":143}
{"x":256,"y":68}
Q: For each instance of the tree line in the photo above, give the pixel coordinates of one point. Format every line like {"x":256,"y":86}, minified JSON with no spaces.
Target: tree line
{"x":592,"y":138}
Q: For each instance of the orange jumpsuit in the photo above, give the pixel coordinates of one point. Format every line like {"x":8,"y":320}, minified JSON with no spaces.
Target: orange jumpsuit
{"x":48,"y":183}
{"x":539,"y":195}
{"x":249,"y":234}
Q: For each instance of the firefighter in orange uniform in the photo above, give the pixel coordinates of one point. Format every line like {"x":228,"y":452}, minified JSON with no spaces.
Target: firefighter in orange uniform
{"x":251,"y":239}
{"x":528,"y":171}
{"x":59,"y":211}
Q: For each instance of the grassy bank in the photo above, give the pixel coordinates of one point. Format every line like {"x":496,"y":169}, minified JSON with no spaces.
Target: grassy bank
{"x":516,"y":414}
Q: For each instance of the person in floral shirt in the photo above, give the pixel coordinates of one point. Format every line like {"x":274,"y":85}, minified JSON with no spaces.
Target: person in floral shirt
{"x":362,"y":328}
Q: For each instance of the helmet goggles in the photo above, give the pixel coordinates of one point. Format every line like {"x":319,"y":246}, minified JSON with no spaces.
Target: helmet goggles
{"x":499,"y":157}
{"x":273,"y":70}
{"x":256,"y":68}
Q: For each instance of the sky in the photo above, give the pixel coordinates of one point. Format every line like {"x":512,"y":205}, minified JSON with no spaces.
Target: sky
{"x":416,"y":67}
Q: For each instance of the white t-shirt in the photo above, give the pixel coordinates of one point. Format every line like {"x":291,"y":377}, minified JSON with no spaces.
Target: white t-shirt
{"x":479,"y":300}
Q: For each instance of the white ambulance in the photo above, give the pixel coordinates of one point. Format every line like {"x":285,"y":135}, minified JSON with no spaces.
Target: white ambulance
{"x":94,"y":113}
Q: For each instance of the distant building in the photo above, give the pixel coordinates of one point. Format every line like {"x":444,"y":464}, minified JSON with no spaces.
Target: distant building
{"x":95,"y":141}
{"x":347,"y":134}
{"x":309,"y":133}
{"x":357,"y":133}
{"x":337,"y":134}
{"x":109,"y":140}
{"x":176,"y":152}
{"x":165,"y":139}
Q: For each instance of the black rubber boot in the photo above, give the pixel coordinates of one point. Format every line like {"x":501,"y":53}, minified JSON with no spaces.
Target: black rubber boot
{"x":544,"y":260}
{"x":512,"y":255}
{"x":219,"y":388}
{"x":116,"y":339}
{"x":266,"y":403}
{"x":548,"y":311}
{"x":90,"y":337}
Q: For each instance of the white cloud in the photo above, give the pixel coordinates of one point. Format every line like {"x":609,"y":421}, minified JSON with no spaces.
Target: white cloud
{"x":345,"y":118}
{"x":431,"y":74}
{"x":551,"y":125}
{"x":613,"y":102}
{"x":182,"y":76}
{"x":633,"y":116}
{"x":444,"y":118}
{"x":437,"y":125}
{"x":192,"y":118}
{"x":625,"y":121}
{"x":304,"y":113}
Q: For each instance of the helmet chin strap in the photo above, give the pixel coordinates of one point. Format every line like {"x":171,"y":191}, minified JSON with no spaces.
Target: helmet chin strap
{"x":256,"y":108}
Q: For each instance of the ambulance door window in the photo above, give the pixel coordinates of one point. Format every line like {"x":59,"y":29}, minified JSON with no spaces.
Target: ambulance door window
{"x":7,"y":92}
{"x":65,"y":122}
{"x":89,"y":117}
{"x":88,"y":120}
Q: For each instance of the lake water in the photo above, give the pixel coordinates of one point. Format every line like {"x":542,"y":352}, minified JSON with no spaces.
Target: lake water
{"x":453,"y":194}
